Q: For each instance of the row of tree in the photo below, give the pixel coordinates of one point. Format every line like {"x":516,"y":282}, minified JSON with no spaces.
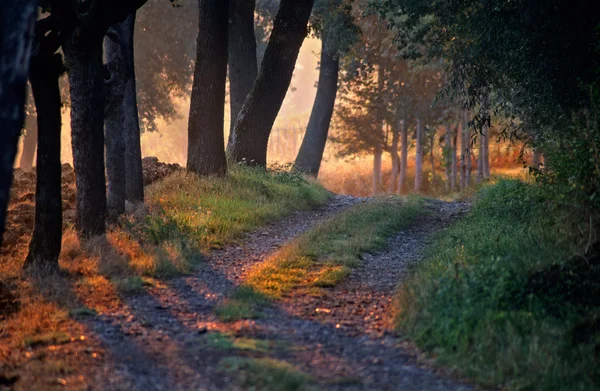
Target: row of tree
{"x":93,"y":42}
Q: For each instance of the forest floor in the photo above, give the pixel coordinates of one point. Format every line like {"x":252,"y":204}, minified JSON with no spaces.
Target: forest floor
{"x":170,"y":337}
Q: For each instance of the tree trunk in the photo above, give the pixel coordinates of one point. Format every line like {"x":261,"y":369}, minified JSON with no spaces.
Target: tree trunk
{"x":536,"y":160}
{"x":453,"y":159}
{"x":464,"y":145}
{"x":114,"y":122}
{"x":17,"y":19}
{"x":468,"y":150}
{"x":313,"y":145}
{"x":481,"y":153}
{"x":83,"y":52}
{"x":262,"y":105}
{"x":377,"y":152}
{"x":243,"y":66}
{"x":485,"y":135}
{"x":432,"y":156}
{"x":486,"y":152}
{"x":418,"y":157}
{"x":45,"y":244}
{"x":134,"y":183}
{"x":395,"y":159}
{"x":206,"y":152}
{"x":29,"y":143}
{"x":448,"y":142}
{"x":403,"y":156}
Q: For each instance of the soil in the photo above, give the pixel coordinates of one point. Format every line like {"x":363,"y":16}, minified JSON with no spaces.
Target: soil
{"x":344,"y":339}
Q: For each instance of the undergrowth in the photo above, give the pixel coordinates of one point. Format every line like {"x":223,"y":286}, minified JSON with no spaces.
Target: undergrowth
{"x":501,"y":297}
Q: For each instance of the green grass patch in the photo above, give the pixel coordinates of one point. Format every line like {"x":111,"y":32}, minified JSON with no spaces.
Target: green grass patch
{"x":224,"y":341}
{"x":189,"y":215}
{"x":82,"y":312}
{"x":266,"y":374}
{"x":325,"y":255}
{"x":501,"y":297}
{"x":245,"y":303}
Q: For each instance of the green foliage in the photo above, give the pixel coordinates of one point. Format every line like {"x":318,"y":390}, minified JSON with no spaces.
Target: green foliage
{"x":497,"y":295}
{"x":267,"y":374}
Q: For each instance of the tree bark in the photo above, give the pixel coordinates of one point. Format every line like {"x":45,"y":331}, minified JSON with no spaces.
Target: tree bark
{"x":468,"y":151}
{"x":453,"y":159}
{"x":206,"y":151}
{"x":403,"y":156}
{"x":243,"y":66}
{"x":114,"y":122}
{"x":17,"y":19}
{"x":29,"y":144}
{"x":262,"y":105}
{"x":134,"y":183}
{"x":418,"y":157}
{"x":448,"y":141}
{"x":464,"y":145}
{"x":536,"y":160}
{"x":83,"y":53}
{"x":480,"y":154}
{"x":377,"y":153}
{"x":395,"y":158}
{"x":45,"y":244}
{"x":486,"y":152}
{"x":313,"y":145}
{"x":432,"y":156}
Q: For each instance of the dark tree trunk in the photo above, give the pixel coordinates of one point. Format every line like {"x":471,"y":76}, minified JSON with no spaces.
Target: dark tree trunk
{"x":29,"y":143}
{"x":206,"y":152}
{"x":447,"y":156}
{"x":403,"y":156}
{"x":418,"y":156}
{"x":432,"y":156}
{"x":114,"y":122}
{"x":453,"y":158}
{"x":83,"y":52}
{"x":45,"y":244}
{"x":243,"y":66}
{"x":134,"y":175}
{"x":313,"y":145}
{"x":262,"y":105}
{"x":395,"y":158}
{"x":17,"y":19}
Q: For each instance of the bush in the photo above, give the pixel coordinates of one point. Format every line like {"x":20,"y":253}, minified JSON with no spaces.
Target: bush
{"x":500,"y":296}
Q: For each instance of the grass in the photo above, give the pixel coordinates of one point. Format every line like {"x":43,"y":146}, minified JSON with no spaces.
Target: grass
{"x":321,"y":257}
{"x":266,"y":374}
{"x":501,"y":298}
{"x":184,"y":217}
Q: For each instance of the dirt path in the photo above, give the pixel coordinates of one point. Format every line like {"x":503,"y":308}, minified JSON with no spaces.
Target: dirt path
{"x":159,"y":341}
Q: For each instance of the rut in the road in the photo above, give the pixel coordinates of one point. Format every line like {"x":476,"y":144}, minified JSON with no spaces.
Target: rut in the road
{"x":156,"y":340}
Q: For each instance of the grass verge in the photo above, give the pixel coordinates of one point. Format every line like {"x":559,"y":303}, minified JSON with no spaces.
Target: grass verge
{"x":323,"y":256}
{"x":185,"y":216}
{"x":501,"y":298}
{"x":267,"y":374}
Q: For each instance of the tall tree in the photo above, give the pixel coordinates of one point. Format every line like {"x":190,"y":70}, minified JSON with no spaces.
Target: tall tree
{"x":134,"y":185}
{"x":262,"y":104}
{"x":313,"y":145}
{"x":17,"y":19}
{"x":45,"y":245}
{"x":403,"y":156}
{"x":114,"y":121}
{"x":206,"y":152}
{"x":243,"y":66}
{"x":419,"y":156}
